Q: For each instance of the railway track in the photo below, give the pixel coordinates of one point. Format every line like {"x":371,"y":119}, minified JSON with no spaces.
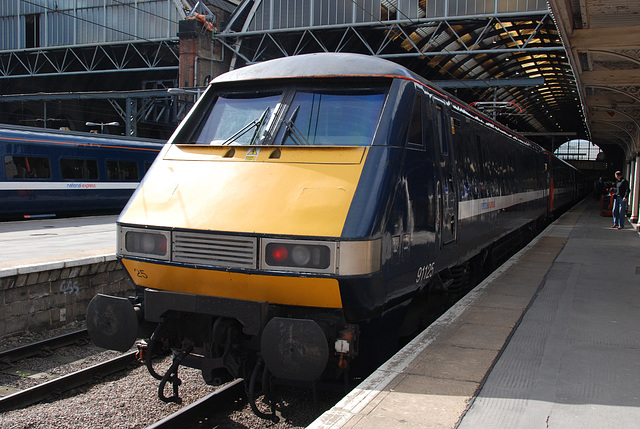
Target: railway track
{"x":43,"y":347}
{"x":213,"y":409}
{"x":60,"y":384}
{"x":190,"y":415}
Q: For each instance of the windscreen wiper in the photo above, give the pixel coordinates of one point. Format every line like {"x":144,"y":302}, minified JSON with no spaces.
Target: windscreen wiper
{"x":258,"y":123}
{"x":293,"y":131}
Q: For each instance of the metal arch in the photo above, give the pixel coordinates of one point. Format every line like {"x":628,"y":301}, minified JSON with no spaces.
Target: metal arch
{"x":631,"y":118}
{"x":238,"y":43}
{"x":628,"y":142}
{"x":228,"y":31}
{"x":610,"y":136}
{"x":614,"y":54}
{"x":616,"y":89}
{"x":623,"y":90}
{"x":438,"y":29}
{"x":397,"y":28}
{"x":461,"y":47}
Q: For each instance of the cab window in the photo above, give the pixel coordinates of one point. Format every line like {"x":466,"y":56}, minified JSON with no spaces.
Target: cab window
{"x":237,"y":119}
{"x":332,"y":119}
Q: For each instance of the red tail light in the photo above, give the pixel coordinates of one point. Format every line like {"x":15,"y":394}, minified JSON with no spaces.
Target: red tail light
{"x":278,"y":253}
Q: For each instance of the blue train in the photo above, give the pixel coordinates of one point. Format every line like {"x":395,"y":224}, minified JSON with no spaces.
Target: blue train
{"x":47,"y":173}
{"x":306,"y":208}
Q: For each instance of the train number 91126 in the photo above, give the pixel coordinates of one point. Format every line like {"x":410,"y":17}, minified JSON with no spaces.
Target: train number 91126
{"x":425,"y":272}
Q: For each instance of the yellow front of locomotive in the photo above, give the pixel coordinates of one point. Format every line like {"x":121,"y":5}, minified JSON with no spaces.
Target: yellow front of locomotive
{"x":236,"y":234}
{"x":227,"y":222}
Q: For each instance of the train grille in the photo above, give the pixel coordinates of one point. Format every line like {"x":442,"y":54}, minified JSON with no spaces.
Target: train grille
{"x":215,"y":250}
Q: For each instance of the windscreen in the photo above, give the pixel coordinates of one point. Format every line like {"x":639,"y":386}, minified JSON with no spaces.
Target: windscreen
{"x":293,"y":116}
{"x":234,"y":119}
{"x":330,"y":119}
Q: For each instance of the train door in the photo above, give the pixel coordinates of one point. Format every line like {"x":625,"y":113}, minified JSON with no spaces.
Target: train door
{"x":449,"y":197}
{"x":420,"y":169}
{"x":548,"y":183}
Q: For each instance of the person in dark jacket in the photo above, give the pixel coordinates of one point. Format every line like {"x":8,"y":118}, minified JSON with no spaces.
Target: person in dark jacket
{"x":599,"y":189}
{"x":620,"y":201}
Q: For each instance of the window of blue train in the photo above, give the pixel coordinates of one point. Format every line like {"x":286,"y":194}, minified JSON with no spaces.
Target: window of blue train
{"x":332,"y":118}
{"x":122,"y":170}
{"x":79,"y":169}
{"x":26,"y":167}
{"x":235,"y":119}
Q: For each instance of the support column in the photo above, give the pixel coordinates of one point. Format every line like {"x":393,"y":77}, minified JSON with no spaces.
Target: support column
{"x":188,"y":34}
{"x":632,"y":182}
{"x":635,"y":192}
{"x":131,"y":113}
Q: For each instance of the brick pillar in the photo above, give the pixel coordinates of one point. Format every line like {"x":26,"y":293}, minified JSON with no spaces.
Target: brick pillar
{"x":188,"y":32}
{"x":201,"y":57}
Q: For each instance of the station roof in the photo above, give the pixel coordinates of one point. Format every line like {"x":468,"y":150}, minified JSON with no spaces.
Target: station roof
{"x":506,"y":57}
{"x":603,"y":46}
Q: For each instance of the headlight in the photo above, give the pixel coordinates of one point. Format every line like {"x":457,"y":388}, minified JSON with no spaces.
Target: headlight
{"x":143,"y":242}
{"x":299,"y":256}
{"x":139,"y":242}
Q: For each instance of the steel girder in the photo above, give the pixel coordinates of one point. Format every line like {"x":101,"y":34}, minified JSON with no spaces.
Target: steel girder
{"x":464,"y":48}
{"x":151,"y":55}
{"x":417,"y":38}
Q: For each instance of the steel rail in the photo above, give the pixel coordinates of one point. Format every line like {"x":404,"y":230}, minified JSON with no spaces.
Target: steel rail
{"x":43,"y":347}
{"x":65,"y":383}
{"x":214,"y":401}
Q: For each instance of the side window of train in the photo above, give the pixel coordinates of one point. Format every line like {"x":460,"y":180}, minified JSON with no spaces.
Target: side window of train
{"x":415,"y":140}
{"x":122,"y":170}
{"x":27,"y":167}
{"x":441,"y":129}
{"x":79,"y":169}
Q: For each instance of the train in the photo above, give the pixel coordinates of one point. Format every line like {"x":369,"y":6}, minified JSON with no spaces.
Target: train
{"x":303,"y":210}
{"x":49,"y":173}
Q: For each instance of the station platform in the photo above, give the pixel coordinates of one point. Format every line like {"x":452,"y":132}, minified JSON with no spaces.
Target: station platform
{"x":550,"y":340}
{"x":50,"y":269}
{"x":44,"y":241}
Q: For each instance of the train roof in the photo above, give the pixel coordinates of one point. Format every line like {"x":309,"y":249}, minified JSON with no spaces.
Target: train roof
{"x":343,"y":64}
{"x":46,"y":135}
{"x":322,"y":64}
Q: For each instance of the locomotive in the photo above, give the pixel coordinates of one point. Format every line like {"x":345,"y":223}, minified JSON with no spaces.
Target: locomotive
{"x":304,"y":206}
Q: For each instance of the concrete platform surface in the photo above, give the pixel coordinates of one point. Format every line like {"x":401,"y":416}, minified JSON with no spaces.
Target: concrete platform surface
{"x":43,"y":240}
{"x":549,"y":340}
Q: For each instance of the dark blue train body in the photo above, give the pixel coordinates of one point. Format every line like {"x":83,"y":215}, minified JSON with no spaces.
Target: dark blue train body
{"x":60,"y":173}
{"x":307,"y":207}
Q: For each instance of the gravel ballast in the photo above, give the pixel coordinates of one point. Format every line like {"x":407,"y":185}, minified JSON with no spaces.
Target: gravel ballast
{"x":129,"y":400}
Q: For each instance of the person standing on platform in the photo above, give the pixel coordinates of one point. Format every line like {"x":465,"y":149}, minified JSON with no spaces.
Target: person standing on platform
{"x":620,"y":201}
{"x":599,"y":189}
